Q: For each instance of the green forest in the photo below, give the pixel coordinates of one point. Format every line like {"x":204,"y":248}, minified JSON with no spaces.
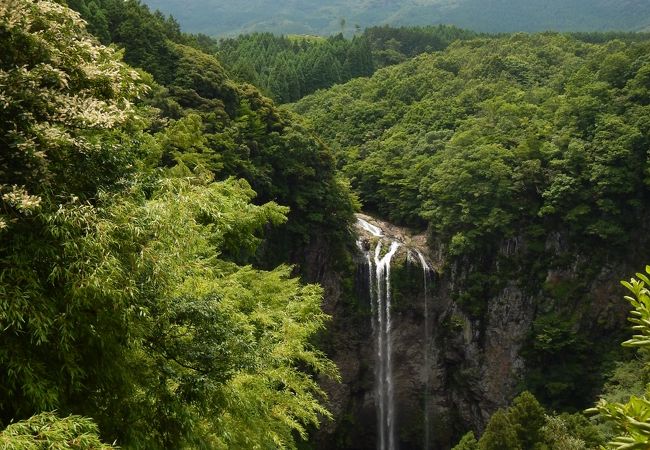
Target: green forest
{"x":510,"y":139}
{"x":132,"y":218}
{"x":498,"y":135}
{"x":169,"y":232}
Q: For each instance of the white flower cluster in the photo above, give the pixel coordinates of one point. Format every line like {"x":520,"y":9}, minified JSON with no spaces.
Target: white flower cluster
{"x":18,"y":198}
{"x":61,"y":93}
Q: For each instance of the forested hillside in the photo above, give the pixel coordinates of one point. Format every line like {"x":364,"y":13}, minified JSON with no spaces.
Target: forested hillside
{"x":131,"y":209}
{"x":526,"y":157}
{"x":231,"y":129}
{"x":494,"y":135}
{"x":164,"y":225}
{"x":533,"y":144}
{"x":288,"y":68}
{"x":217,"y":18}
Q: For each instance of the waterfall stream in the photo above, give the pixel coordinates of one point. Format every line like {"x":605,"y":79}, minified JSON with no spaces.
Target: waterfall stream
{"x":426,"y":272}
{"x":379,"y":284}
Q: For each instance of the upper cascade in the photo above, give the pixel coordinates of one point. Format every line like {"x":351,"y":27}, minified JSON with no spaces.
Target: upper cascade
{"x":370,"y":228}
{"x":412,"y":246}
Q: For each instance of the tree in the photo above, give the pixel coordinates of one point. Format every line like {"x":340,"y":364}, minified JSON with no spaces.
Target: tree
{"x":120,"y":296}
{"x":528,"y":418}
{"x":65,"y":99}
{"x":520,"y":426}
{"x":526,"y":425}
{"x":467,"y":442}
{"x":631,"y":420}
{"x":61,"y":95}
{"x":145,"y":36}
{"x":219,"y":354}
{"x":557,"y":435}
{"x":500,"y":434}
{"x":46,"y":431}
{"x":518,"y":139}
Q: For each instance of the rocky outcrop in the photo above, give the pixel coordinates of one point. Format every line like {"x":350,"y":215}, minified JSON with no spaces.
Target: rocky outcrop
{"x":467,"y":363}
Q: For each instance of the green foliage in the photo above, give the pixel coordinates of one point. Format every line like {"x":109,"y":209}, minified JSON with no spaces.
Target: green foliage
{"x":233,"y":130}
{"x":558,"y":437}
{"x":183,"y":142}
{"x":518,"y":427}
{"x":120,"y":294}
{"x":573,"y":430}
{"x":467,"y":442}
{"x":500,"y":434}
{"x":224,"y":346}
{"x":528,"y":418}
{"x":558,"y":356}
{"x":287,"y":68}
{"x":631,"y":420}
{"x":641,"y":313}
{"x":492,"y":137}
{"x":525,"y":425}
{"x":46,"y":431}
{"x":269,"y":148}
{"x":63,"y":101}
{"x":61,"y":98}
{"x":628,"y":378}
{"x":143,"y":35}
{"x":524,"y":156}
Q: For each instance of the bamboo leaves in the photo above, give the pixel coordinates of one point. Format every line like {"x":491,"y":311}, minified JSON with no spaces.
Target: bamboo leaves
{"x":631,"y":420}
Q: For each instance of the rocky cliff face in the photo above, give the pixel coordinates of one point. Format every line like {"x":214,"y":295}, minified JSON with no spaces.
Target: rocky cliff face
{"x":452,"y":376}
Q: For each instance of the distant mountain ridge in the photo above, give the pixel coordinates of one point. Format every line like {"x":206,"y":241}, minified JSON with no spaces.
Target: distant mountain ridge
{"x":230,"y":17}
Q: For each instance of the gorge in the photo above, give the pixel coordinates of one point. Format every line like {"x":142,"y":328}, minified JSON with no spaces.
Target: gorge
{"x":386,"y":383}
{"x":534,"y":206}
{"x":184,"y":264}
{"x":417,"y":370}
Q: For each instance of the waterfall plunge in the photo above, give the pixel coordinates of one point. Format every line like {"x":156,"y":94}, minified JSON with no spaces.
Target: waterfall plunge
{"x":380,"y":298}
{"x":380,"y":302}
{"x":426,"y":272}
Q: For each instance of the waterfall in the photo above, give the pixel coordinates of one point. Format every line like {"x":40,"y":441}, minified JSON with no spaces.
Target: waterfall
{"x":370,"y":228}
{"x":380,"y":297}
{"x":426,"y":269}
{"x":379,"y":284}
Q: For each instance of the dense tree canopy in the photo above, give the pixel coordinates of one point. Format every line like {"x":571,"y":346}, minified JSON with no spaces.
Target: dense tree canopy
{"x":525,"y":156}
{"x":526,"y":425}
{"x":288,"y":68}
{"x":522,"y":127}
{"x":285,"y":68}
{"x":46,"y":431}
{"x":121,"y":296}
{"x":149,"y":216}
{"x":242,"y":132}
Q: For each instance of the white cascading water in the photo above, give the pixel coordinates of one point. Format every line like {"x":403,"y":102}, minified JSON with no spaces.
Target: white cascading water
{"x":370,"y":228}
{"x":380,"y":304}
{"x":384,"y":367}
{"x":426,"y":270}
{"x":379,"y":286}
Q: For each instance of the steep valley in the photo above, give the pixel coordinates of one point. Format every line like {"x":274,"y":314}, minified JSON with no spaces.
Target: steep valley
{"x":473,"y":144}
{"x":452,"y":370}
{"x":185,"y":264}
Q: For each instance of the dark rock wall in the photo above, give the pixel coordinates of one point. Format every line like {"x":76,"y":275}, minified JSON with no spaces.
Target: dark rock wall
{"x":475,"y":362}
